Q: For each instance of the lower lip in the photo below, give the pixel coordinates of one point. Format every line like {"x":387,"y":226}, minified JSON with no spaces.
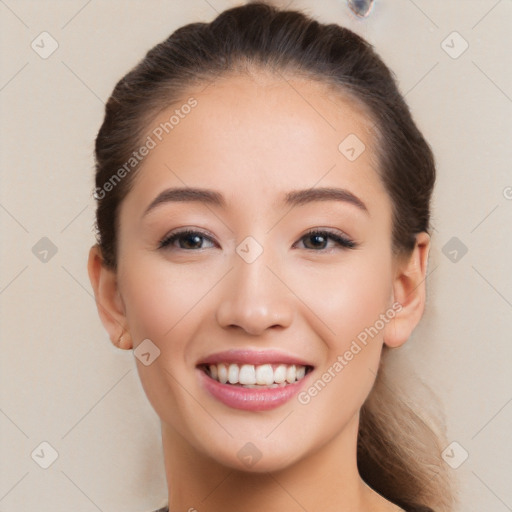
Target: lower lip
{"x":250,"y":399}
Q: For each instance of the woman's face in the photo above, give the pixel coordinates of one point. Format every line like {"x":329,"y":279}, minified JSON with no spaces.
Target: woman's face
{"x":250,"y":285}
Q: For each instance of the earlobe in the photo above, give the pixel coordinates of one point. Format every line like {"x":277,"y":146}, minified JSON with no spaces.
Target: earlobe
{"x":409,"y":291}
{"x":108,"y":300}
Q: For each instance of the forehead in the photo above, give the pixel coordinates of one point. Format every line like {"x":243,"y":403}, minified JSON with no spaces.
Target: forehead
{"x":261,"y":133}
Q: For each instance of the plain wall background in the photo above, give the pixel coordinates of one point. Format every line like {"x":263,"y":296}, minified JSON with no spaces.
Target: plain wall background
{"x":63,"y":382}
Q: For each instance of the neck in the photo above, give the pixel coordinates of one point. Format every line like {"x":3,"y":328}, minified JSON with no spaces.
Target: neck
{"x":326,"y":479}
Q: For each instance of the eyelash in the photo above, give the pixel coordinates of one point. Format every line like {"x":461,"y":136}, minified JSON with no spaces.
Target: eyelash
{"x":341,"y":241}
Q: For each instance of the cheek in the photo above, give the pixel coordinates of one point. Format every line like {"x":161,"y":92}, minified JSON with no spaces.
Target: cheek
{"x":350,"y":303}
{"x":161,"y":306}
{"x":156,"y":299}
{"x":347,"y":297}
{"x":167,"y":304}
{"x":350,"y":300}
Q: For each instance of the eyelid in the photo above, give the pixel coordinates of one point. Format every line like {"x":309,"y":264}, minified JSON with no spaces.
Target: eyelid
{"x":329,"y":231}
{"x":171,"y":236}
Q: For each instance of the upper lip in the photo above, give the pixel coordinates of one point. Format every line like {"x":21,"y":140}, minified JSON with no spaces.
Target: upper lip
{"x":254,"y":357}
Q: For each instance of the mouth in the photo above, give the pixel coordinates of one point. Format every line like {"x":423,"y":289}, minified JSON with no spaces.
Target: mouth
{"x":253,"y":380}
{"x":250,"y":376}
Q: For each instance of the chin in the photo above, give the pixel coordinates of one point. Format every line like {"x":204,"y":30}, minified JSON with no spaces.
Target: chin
{"x":251,"y":459}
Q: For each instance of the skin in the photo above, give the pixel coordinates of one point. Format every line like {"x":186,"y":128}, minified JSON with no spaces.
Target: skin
{"x":253,"y":139}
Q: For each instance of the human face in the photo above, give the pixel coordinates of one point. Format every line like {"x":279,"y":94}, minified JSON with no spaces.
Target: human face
{"x":280,"y":295}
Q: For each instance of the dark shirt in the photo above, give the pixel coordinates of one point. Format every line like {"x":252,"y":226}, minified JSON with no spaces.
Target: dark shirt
{"x":415,"y":508}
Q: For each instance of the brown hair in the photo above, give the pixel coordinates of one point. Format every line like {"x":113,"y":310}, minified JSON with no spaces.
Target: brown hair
{"x":398,"y":453}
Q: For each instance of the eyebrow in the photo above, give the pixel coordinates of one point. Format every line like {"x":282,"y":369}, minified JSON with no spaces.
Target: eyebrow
{"x":293,"y":198}
{"x":299,"y":197}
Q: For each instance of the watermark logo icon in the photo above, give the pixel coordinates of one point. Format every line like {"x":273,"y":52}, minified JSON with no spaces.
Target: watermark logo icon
{"x":146,"y":352}
{"x":44,"y":45}
{"x":454,"y":455}
{"x":249,"y":454}
{"x":44,"y":250}
{"x":249,"y":249}
{"x":44,"y":455}
{"x":454,"y":249}
{"x":351,"y":147}
{"x":454,"y":45}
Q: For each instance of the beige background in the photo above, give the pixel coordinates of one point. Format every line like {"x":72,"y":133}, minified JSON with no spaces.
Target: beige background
{"x":63,"y":383}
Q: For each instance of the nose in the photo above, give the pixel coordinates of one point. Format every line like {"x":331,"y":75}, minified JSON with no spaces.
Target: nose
{"x":255,"y":298}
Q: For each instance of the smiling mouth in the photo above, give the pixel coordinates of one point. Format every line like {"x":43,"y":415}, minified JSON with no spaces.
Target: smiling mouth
{"x":263,"y":376}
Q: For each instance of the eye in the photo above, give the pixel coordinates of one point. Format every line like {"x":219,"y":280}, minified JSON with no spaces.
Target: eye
{"x":188,"y":239}
{"x":320,"y":238}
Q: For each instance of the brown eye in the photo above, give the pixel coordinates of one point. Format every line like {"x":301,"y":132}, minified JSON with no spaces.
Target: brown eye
{"x":187,"y":240}
{"x":319,"y":240}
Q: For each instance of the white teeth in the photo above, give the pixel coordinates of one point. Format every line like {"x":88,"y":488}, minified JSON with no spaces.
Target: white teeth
{"x":222,"y":371}
{"x":265,"y":375}
{"x":280,"y":373}
{"x":290,"y":374}
{"x":252,"y":376}
{"x":233,"y":373}
{"x":247,"y":374}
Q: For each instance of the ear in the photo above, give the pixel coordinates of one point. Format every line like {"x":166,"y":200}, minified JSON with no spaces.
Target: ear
{"x":108,"y":299}
{"x":409,"y":293}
